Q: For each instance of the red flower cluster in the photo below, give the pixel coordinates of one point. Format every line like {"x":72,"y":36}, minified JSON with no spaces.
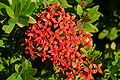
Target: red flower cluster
{"x":56,"y":36}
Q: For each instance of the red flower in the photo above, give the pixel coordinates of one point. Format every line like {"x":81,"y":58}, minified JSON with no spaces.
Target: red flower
{"x":54,"y":36}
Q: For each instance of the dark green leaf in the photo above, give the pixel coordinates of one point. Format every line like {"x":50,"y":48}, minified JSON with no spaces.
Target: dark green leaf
{"x":89,"y":1}
{"x":18,"y":10}
{"x":31,"y":8}
{"x":25,"y":7}
{"x":30,"y":72}
{"x":78,"y":1}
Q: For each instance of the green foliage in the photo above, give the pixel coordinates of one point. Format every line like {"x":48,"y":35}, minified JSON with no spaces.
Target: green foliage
{"x":15,"y":14}
{"x":15,"y":11}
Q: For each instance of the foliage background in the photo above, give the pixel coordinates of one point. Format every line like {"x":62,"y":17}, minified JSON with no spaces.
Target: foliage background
{"x":16,"y":65}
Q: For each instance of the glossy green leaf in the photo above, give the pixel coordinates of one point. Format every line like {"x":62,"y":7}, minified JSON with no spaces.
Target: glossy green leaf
{"x":9,"y":11}
{"x":79,"y":10}
{"x":90,"y":28}
{"x":65,"y":4}
{"x":15,"y":76}
{"x":103,"y":34}
{"x":2,"y":43}
{"x":8,"y":28}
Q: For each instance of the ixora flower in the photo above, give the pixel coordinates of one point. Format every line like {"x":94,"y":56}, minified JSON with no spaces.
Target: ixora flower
{"x":56,"y":36}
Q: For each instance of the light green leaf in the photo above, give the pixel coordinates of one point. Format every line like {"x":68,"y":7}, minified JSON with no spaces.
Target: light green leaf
{"x":15,"y":76}
{"x":65,"y":3}
{"x":1,"y":67}
{"x":2,"y":43}
{"x":9,"y":11}
{"x":17,"y":67}
{"x":31,"y":20}
{"x":113,"y":45}
{"x":113,"y":34}
{"x":43,"y":72}
{"x":103,"y":34}
{"x":114,"y":63}
{"x":8,"y":28}
{"x":79,"y":10}
{"x":90,"y":28}
{"x":14,"y":59}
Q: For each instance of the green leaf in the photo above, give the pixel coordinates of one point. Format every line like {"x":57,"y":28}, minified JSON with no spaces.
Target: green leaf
{"x":18,"y":10}
{"x":65,"y":4}
{"x":31,"y":20}
{"x":25,"y":7}
{"x":2,"y":43}
{"x":25,"y":64}
{"x":103,"y":34}
{"x":94,"y":14}
{"x":15,"y":76}
{"x":9,"y":11}
{"x":89,"y":1}
{"x":30,"y":72}
{"x":90,"y":28}
{"x":13,"y":60}
{"x":113,"y":34}
{"x":1,"y":67}
{"x":78,"y":1}
{"x":30,"y":78}
{"x":43,"y":72}
{"x":8,"y":28}
{"x":31,"y":8}
{"x":114,"y":63}
{"x":17,"y":67}
{"x":113,"y":45}
{"x":23,"y":20}
{"x":79,"y":10}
